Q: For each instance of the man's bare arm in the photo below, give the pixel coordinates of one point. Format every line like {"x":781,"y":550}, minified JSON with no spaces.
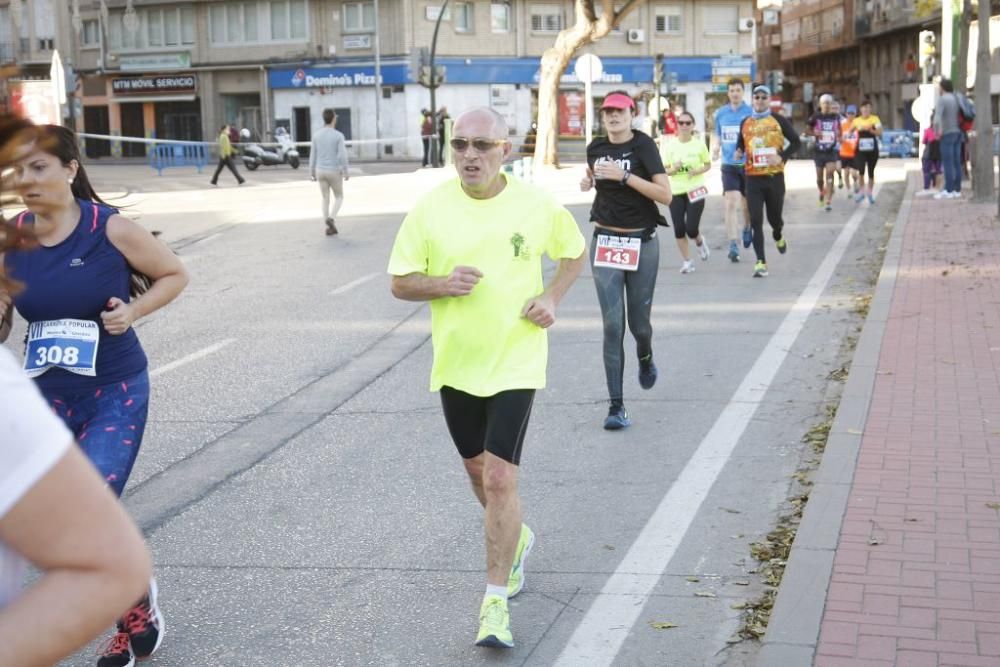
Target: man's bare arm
{"x":421,"y":287}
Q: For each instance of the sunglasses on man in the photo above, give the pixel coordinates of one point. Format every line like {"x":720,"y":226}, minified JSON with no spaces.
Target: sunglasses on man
{"x":481,"y":144}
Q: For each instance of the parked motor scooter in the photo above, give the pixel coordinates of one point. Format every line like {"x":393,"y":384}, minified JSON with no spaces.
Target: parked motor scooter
{"x":286,"y":147}
{"x":255,"y":155}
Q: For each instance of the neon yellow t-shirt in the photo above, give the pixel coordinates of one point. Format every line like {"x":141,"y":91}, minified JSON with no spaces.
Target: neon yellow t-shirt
{"x":482,"y":345}
{"x":692,"y":154}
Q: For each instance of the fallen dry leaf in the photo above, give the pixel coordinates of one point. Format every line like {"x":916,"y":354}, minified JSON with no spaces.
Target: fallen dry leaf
{"x":705,"y":594}
{"x":662,"y":625}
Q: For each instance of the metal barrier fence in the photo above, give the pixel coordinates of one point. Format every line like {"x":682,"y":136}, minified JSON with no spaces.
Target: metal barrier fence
{"x":178,"y":155}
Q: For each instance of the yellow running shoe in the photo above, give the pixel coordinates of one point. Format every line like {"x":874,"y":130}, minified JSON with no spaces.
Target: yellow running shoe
{"x":516,"y":581}
{"x":494,"y":624}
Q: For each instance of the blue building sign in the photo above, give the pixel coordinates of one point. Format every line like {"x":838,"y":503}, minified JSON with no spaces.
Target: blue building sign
{"x":525,"y":71}
{"x":336,"y":76}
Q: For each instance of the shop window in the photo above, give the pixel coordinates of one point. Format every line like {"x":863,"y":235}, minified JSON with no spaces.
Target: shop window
{"x":500,"y":15}
{"x":721,"y":19}
{"x":669,"y":20}
{"x":546,"y":18}
{"x":359,"y":17}
{"x":463,"y":19}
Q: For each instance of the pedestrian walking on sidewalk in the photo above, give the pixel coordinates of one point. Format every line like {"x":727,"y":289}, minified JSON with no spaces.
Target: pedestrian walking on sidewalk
{"x":869,"y":129}
{"x":328,"y":165}
{"x":727,"y":123}
{"x":472,"y":247}
{"x":766,"y":142}
{"x":226,"y":153}
{"x":626,"y":170}
{"x":426,"y":132}
{"x":949,"y":131}
{"x":81,"y":307}
{"x":686,"y":160}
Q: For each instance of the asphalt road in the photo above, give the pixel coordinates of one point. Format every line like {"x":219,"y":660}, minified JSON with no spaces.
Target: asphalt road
{"x":304,"y":503}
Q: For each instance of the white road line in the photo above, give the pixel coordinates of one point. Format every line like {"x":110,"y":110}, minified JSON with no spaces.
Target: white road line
{"x":606,"y":625}
{"x":194,"y":356}
{"x":354,"y":283}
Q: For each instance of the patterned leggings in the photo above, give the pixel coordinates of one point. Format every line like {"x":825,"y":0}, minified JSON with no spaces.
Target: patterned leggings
{"x":109,"y":423}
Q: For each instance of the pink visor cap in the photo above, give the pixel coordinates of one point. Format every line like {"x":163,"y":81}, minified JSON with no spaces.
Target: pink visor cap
{"x":618,"y":101}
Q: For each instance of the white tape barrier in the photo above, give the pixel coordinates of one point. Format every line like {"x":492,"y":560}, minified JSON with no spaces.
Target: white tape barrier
{"x":144,"y":140}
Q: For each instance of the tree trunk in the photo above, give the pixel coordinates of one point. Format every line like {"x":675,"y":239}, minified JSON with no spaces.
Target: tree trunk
{"x":983,"y":144}
{"x":588,"y":27}
{"x":962,"y":62}
{"x":554,"y":62}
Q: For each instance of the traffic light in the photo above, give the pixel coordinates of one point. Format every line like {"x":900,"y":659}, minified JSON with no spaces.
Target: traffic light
{"x":672,"y":82}
{"x":777,"y":81}
{"x":418,"y":60}
{"x":658,"y":72}
{"x":425,"y":76}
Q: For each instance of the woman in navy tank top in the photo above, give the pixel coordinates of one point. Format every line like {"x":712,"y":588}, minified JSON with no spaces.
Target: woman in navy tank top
{"x":80,"y":347}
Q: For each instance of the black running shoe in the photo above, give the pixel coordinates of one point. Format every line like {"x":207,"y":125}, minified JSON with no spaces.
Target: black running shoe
{"x":116,"y":652}
{"x":144,"y":624}
{"x":647,"y":372}
{"x":617,"y":418}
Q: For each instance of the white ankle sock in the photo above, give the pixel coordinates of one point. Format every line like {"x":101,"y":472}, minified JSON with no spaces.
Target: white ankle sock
{"x":498,"y":591}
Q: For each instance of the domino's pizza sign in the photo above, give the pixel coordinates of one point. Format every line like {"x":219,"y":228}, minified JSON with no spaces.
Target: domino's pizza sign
{"x":350,"y":76}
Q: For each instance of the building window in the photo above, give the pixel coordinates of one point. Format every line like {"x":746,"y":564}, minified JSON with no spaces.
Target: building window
{"x":546,"y":18}
{"x":157,"y":28}
{"x":669,"y":20}
{"x":288,"y":20}
{"x":500,"y":16}
{"x":463,"y":20}
{"x":255,"y":22}
{"x":359,"y":17}
{"x":187,"y":25}
{"x":721,"y":19}
{"x":91,"y":33}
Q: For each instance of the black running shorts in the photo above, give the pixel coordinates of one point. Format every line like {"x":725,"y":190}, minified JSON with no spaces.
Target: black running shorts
{"x":495,"y":424}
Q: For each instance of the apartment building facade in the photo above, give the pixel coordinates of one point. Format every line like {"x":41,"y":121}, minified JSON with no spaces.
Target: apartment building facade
{"x":182,"y":69}
{"x":818,"y":52}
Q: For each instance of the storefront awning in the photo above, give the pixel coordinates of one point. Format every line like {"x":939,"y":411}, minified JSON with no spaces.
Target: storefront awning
{"x":153,"y":98}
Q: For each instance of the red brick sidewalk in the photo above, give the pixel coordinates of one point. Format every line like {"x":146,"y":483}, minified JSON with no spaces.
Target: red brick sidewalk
{"x":916,"y":576}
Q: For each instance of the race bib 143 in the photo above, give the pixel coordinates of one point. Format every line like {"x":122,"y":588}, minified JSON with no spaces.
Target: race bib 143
{"x":617,"y":252}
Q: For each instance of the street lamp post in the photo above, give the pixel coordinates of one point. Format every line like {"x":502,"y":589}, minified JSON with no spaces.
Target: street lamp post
{"x":378,"y":88}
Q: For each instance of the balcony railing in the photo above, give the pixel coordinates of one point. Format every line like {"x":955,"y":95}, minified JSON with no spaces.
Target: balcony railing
{"x":875,"y":17}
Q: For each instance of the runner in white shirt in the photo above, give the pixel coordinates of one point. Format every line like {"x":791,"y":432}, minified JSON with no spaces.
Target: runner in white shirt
{"x":57,"y":514}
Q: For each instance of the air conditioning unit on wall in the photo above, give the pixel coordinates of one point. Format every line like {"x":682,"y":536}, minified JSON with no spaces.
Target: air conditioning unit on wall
{"x":636,"y":36}
{"x":746,"y":24}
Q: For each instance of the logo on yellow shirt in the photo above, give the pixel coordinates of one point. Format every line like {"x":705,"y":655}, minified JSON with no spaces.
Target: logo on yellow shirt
{"x":520,"y":245}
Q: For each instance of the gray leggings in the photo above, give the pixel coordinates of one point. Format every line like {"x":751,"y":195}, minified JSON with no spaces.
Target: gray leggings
{"x":626,"y":292}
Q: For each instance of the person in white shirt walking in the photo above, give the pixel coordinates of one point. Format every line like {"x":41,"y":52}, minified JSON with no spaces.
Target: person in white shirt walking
{"x":328,"y":165}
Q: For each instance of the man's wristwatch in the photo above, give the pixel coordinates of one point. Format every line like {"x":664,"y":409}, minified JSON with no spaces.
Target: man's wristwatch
{"x":625,"y":177}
